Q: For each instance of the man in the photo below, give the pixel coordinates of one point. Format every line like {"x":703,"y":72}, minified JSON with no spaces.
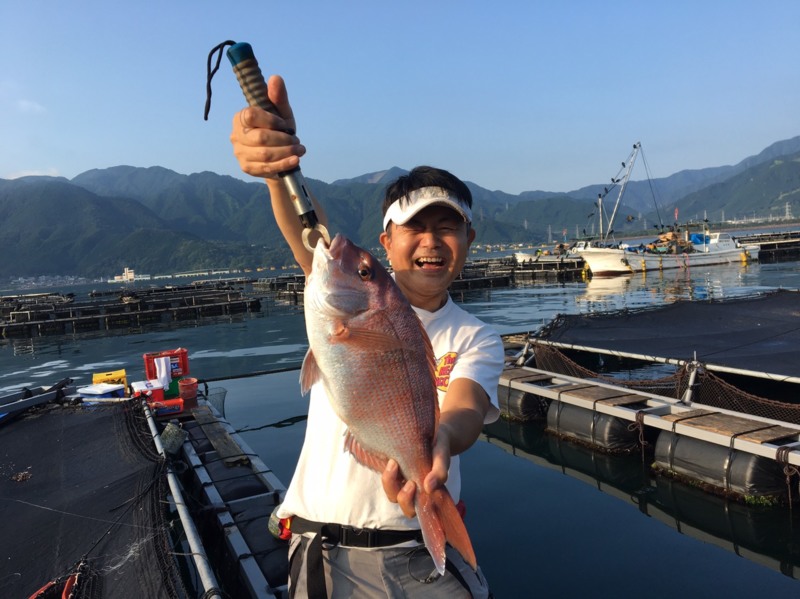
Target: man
{"x":332,"y":499}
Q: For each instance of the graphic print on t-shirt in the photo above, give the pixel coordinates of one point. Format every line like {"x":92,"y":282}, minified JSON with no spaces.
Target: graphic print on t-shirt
{"x":444,"y":366}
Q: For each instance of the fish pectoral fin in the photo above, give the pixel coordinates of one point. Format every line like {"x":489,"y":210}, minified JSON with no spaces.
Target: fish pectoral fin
{"x":367,"y":338}
{"x":362,"y":456}
{"x":309,"y":373}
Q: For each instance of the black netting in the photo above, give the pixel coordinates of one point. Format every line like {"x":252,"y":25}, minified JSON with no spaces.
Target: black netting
{"x":714,"y":391}
{"x":709,"y":388}
{"x":83,"y":487}
{"x":758,"y":334}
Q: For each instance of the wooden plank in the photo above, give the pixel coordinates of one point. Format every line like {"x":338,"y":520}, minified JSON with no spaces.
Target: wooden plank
{"x":569,"y":388}
{"x":228,"y":450}
{"x":515,"y":374}
{"x":203,"y":415}
{"x":770,"y":434}
{"x":526,"y":378}
{"x":623,"y":400}
{"x":724,"y":424}
{"x":593,"y":392}
{"x":680,"y":416}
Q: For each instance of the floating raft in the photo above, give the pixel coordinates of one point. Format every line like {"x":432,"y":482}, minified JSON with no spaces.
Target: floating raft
{"x":58,"y":315}
{"x":774,"y":247}
{"x":493,"y":273}
{"x":592,"y":407}
{"x":229,"y":481}
{"x":144,"y":506}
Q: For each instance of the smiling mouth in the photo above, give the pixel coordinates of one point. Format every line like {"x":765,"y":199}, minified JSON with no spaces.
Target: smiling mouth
{"x":429,"y":262}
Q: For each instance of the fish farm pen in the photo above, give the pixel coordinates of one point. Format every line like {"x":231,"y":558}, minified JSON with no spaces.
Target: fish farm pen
{"x":722,"y":412}
{"x":775,"y":247}
{"x":492,"y":273}
{"x":57,"y":314}
{"x":727,"y":453}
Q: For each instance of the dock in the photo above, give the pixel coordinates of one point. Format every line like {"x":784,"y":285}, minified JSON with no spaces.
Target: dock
{"x":718,"y":440}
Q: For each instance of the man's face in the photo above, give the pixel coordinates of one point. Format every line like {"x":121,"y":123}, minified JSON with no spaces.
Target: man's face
{"x":427,"y":253}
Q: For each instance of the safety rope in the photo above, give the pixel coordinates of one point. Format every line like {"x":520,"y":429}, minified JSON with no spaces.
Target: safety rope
{"x":638,"y":424}
{"x":789,"y":470}
{"x":211,"y":72}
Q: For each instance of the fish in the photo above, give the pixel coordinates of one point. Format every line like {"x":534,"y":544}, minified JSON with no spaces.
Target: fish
{"x":370,"y":351}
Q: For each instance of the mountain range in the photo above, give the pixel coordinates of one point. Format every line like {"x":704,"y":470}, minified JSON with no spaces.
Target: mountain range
{"x":158,"y":221}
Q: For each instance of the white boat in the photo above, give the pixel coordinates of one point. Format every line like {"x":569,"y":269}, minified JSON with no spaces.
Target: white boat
{"x":713,"y":248}
{"x":670,"y":250}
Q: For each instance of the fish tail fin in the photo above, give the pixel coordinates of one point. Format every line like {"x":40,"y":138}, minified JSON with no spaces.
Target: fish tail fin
{"x":441,"y":523}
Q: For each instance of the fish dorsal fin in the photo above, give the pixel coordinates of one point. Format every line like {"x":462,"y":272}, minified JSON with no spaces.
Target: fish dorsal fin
{"x":362,"y":456}
{"x":309,"y":373}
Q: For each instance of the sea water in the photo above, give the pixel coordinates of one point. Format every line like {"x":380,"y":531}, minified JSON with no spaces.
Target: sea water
{"x":547,"y":519}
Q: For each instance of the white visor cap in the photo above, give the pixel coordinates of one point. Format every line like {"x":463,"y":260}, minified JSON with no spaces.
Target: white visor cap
{"x":402,"y":210}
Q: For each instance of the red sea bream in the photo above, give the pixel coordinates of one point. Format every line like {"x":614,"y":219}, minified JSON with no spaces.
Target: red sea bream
{"x":370,"y":351}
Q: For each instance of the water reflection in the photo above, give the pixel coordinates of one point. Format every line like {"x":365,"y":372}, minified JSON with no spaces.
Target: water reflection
{"x":230,"y":346}
{"x":763,"y":535}
{"x":638,"y":290}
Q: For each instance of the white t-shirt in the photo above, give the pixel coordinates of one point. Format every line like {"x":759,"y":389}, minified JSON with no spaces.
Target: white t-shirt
{"x":329,"y":485}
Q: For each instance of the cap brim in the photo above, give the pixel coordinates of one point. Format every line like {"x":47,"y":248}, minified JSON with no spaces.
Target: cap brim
{"x":404,"y":209}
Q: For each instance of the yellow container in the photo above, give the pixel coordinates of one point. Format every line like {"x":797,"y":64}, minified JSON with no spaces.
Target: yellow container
{"x":115,"y":377}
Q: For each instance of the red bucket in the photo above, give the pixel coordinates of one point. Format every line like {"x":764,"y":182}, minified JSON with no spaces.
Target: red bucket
{"x":187,"y":388}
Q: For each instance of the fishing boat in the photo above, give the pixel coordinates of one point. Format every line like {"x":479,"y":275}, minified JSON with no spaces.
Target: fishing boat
{"x":674,"y":247}
{"x":666,"y":252}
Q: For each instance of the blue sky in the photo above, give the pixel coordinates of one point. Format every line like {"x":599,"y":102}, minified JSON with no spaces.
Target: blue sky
{"x":515,"y":96}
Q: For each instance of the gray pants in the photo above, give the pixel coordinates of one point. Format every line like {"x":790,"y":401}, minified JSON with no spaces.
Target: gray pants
{"x":386,"y":572}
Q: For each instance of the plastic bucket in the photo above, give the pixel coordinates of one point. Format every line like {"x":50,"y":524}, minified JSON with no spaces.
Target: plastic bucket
{"x":187,"y":388}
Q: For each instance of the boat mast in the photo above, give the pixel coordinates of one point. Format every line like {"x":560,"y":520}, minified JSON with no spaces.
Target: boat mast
{"x":628,"y":165}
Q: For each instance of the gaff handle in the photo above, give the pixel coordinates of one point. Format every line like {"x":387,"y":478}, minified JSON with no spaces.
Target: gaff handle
{"x":252,"y":82}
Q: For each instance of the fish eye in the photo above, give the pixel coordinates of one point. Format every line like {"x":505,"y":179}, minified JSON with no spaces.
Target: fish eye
{"x":364,"y":271}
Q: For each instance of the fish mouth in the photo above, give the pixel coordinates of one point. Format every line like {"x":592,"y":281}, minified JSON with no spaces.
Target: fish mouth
{"x":332,"y":251}
{"x":337,"y":247}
